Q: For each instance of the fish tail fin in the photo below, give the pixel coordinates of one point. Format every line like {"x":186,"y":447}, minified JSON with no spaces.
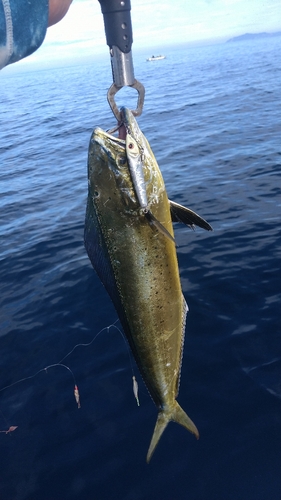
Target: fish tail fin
{"x":175,"y":414}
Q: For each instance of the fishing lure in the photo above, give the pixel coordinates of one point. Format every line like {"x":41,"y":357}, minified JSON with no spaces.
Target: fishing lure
{"x":135,"y":389}
{"x":77,"y":396}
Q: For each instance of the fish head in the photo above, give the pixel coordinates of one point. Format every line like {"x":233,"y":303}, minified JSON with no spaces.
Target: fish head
{"x":108,"y":172}
{"x":106,"y":147}
{"x":108,"y":165}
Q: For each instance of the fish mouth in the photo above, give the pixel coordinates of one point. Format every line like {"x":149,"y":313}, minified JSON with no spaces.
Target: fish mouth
{"x":108,"y":135}
{"x":127,"y":125}
{"x":113,"y":141}
{"x":107,"y":141}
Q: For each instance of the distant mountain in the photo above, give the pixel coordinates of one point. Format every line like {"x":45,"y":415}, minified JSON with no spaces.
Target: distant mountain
{"x":251,"y":36}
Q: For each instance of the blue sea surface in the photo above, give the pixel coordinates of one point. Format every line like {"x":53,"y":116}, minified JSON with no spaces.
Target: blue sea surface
{"x":212,"y":117}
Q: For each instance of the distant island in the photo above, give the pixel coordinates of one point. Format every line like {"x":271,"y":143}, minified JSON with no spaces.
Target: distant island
{"x":251,"y":36}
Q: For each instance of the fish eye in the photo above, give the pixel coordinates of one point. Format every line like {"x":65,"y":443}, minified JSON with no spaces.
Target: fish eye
{"x":131,"y":146}
{"x":122,"y":160}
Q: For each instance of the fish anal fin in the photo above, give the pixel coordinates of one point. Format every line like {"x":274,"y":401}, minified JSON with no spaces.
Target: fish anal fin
{"x":175,"y":414}
{"x":187,"y":216}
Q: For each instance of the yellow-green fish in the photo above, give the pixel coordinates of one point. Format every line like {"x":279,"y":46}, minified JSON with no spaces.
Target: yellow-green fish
{"x":130,"y":242}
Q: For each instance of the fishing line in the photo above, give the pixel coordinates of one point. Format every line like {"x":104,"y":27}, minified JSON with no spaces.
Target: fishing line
{"x":61,"y":364}
{"x":37,"y":373}
{"x":113,"y":325}
{"x":89,"y":343}
{"x":126,"y":343}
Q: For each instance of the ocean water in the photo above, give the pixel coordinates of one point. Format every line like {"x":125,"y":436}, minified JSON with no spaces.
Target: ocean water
{"x":212,"y":116}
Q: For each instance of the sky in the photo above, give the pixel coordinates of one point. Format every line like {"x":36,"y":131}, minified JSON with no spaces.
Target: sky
{"x":156,"y":24}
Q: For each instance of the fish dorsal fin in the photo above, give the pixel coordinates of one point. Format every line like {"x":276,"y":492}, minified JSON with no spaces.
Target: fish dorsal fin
{"x":187,"y":216}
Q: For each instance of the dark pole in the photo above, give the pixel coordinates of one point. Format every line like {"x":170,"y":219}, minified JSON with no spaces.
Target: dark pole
{"x":119,"y":38}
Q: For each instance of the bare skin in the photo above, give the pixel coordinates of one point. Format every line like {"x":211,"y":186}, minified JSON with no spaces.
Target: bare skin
{"x":57,"y":10}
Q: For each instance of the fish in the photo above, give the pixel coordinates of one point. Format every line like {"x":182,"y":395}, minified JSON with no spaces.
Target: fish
{"x":129,"y":239}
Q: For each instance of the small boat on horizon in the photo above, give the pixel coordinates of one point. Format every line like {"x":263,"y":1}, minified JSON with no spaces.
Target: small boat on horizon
{"x":156,"y":58}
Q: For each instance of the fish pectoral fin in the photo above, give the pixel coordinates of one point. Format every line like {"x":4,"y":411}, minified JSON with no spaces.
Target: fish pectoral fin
{"x":176,"y":414}
{"x":154,"y":222}
{"x":187,"y":216}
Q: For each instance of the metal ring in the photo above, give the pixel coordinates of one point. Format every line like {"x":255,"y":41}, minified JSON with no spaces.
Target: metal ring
{"x":111,"y":101}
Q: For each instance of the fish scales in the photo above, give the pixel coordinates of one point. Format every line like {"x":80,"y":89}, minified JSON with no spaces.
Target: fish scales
{"x":138,"y":266}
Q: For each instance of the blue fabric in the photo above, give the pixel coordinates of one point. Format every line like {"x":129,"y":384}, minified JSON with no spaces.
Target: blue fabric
{"x":23,"y":25}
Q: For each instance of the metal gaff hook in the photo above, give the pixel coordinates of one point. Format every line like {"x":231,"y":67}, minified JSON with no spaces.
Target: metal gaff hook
{"x":119,"y":38}
{"x":111,"y":101}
